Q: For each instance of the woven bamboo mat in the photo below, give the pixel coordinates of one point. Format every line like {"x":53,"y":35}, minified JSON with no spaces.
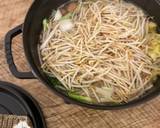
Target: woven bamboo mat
{"x":57,"y":113}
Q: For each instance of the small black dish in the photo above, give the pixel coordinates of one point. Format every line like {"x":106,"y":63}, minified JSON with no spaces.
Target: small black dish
{"x":16,"y":101}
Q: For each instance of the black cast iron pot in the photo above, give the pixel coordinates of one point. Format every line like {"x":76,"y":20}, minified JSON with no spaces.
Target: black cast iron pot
{"x":32,"y":27}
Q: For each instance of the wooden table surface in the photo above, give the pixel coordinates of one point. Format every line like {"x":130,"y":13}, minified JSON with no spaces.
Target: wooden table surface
{"x":57,"y":113}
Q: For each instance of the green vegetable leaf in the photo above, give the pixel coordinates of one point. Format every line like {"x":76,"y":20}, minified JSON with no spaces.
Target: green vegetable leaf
{"x":45,"y":24}
{"x":57,"y":84}
{"x":154,"y":47}
{"x":54,"y":80}
{"x":79,"y":97}
{"x":152,"y":27}
{"x":67,"y":16}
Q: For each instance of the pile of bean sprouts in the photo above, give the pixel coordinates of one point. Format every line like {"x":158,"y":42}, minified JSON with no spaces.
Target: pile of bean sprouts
{"x":104,"y":56}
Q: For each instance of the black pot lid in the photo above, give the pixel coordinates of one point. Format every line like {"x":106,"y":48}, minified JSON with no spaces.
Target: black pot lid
{"x":16,"y":101}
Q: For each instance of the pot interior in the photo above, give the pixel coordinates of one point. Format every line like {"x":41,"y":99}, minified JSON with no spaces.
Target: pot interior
{"x":33,"y":26}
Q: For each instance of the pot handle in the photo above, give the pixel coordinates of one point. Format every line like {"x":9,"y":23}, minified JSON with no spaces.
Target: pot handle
{"x":8,"y":51}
